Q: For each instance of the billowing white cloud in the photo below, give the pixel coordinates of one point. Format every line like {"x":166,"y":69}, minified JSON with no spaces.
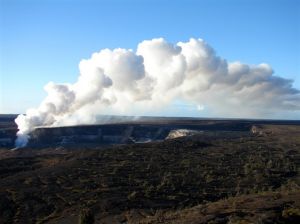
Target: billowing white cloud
{"x":124,"y":81}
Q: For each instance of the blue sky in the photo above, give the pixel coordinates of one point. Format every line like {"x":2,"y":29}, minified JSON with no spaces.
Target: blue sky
{"x":42,"y":41}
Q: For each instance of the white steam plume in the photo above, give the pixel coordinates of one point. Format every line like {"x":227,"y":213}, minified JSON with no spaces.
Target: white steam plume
{"x":157,"y":73}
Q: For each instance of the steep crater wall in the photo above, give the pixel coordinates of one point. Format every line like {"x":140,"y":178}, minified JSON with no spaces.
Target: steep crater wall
{"x":126,"y":133}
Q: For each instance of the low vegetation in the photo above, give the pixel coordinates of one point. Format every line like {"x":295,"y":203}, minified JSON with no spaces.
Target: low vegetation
{"x":206,"y":178}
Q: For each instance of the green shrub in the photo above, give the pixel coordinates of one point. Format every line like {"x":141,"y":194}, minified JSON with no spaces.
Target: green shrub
{"x":291,"y":214}
{"x":86,"y":217}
